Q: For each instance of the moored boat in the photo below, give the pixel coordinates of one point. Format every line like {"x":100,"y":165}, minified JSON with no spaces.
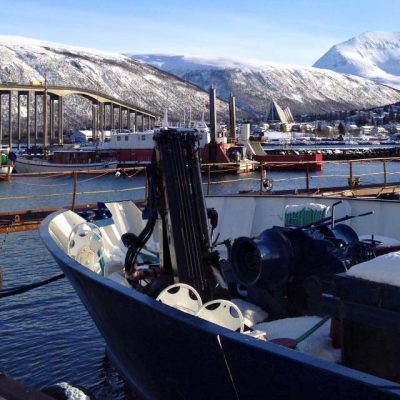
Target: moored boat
{"x":136,"y":148}
{"x":291,"y":162}
{"x":68,"y":160}
{"x":285,"y":265}
{"x":7,"y":159}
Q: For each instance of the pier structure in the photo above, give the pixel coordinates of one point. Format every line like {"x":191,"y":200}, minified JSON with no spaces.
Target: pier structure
{"x":40,"y":105}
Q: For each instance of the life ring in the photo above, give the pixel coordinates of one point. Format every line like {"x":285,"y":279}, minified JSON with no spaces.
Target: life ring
{"x":268,"y":184}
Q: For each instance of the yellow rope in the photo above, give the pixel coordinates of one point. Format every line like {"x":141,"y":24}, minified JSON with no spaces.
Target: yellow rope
{"x":101,"y":173}
{"x":231,"y":180}
{"x":40,"y":184}
{"x":94,"y":177}
{"x":36,"y":196}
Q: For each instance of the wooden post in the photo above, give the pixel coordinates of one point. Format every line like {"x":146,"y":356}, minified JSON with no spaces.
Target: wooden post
{"x":74,"y":191}
{"x":384,"y":173}
{"x":308,"y":178}
{"x":146,"y":194}
{"x":261,"y":177}
{"x":209,"y":179}
{"x":351,"y":174}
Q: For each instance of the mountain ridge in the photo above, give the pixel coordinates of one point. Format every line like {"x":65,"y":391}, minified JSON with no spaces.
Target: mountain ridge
{"x":372,"y":55}
{"x":24,"y":60}
{"x":303,"y":89}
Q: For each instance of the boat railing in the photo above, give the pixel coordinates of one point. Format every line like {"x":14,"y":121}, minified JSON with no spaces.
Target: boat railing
{"x":76,"y":188}
{"x":354,"y":179}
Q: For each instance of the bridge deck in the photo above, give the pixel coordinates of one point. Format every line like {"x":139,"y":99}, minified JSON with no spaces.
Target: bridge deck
{"x":95,"y":96}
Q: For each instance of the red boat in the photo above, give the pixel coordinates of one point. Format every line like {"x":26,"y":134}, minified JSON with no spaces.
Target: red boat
{"x":136,"y":148}
{"x":291,"y":162}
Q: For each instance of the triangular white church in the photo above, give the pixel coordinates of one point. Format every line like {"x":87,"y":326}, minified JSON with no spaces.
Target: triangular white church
{"x":275,"y":113}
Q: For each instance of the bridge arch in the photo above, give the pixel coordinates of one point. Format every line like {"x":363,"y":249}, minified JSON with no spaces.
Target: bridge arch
{"x":100,"y":101}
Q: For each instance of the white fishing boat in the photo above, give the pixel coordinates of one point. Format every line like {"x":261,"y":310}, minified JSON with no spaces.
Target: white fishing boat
{"x":82,"y":159}
{"x":238,"y":297}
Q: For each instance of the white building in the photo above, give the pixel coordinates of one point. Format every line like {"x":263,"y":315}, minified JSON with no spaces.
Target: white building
{"x":86,"y":136}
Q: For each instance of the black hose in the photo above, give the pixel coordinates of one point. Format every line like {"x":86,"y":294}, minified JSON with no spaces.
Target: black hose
{"x":144,"y":236}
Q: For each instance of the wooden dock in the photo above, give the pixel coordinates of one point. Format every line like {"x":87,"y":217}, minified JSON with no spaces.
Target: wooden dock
{"x":28,"y":220}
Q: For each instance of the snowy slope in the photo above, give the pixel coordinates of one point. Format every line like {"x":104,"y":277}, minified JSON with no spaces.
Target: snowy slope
{"x":23,"y":60}
{"x":373,"y":55}
{"x":304,"y":89}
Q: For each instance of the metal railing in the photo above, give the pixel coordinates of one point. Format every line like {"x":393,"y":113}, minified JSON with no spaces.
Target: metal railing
{"x":262,"y":179}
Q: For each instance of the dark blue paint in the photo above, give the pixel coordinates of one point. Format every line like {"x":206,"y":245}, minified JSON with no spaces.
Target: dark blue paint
{"x":166,"y":354}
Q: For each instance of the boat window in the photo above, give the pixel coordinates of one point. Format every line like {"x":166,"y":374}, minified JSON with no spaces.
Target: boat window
{"x":126,"y":138}
{"x":118,"y":138}
{"x":143,"y":137}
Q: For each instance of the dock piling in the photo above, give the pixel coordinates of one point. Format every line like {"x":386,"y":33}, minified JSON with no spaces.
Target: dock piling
{"x":74,"y":190}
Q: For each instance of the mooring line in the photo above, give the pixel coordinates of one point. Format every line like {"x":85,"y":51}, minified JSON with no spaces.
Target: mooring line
{"x":25,"y":288}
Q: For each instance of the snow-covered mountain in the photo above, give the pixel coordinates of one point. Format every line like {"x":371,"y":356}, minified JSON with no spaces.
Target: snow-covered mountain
{"x":372,"y":55}
{"x":303,"y":89}
{"x":23,"y":60}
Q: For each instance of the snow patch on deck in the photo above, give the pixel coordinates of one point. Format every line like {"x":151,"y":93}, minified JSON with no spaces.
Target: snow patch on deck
{"x":382,"y":269}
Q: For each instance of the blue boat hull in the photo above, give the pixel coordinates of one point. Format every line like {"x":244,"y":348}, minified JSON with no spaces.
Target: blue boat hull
{"x":163,"y":353}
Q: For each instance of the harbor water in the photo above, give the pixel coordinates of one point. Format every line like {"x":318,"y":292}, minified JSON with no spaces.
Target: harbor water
{"x":46,"y":334}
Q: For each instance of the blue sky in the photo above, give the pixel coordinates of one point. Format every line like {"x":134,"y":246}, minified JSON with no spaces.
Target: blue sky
{"x":281,"y":31}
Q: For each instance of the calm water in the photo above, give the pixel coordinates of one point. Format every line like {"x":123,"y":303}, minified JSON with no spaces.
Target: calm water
{"x":46,"y":335}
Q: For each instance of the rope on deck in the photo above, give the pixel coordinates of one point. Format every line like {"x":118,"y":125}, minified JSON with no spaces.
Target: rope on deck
{"x":307,"y":334}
